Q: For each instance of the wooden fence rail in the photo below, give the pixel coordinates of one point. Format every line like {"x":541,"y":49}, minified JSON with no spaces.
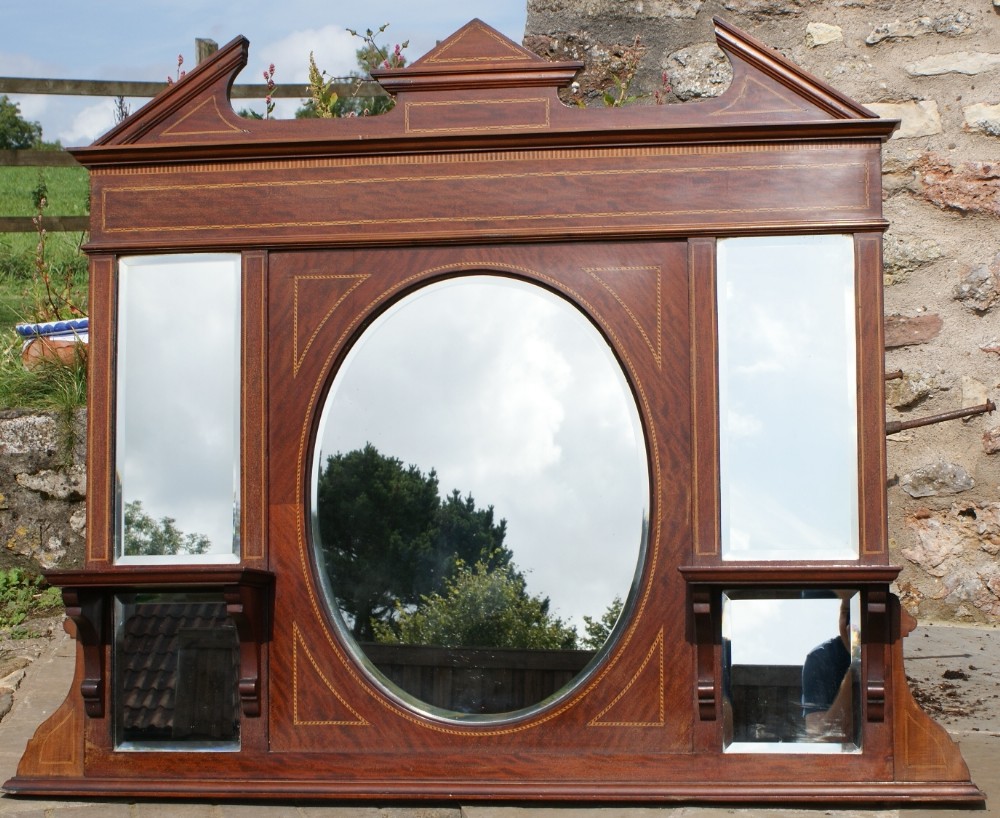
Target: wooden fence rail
{"x":127,"y":88}
{"x":131,"y":89}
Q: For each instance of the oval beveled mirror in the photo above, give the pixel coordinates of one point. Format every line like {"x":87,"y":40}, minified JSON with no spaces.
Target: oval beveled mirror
{"x":479,"y":497}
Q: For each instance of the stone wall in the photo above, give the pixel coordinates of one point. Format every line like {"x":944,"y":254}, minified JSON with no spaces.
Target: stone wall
{"x":42,"y":490}
{"x":934,"y":65}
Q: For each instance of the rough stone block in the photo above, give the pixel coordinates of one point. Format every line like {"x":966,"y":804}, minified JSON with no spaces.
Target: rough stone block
{"x":959,"y":546}
{"x":959,"y":62}
{"x":917,"y":118}
{"x":66,"y":484}
{"x":903,"y":253}
{"x":699,"y":71}
{"x":982,"y":118}
{"x":906,"y":330}
{"x":936,"y":479}
{"x":950,"y":25}
{"x":969,"y":187}
{"x":818,"y":34}
{"x":910,"y":390}
{"x":974,"y":392}
{"x":978,"y":290}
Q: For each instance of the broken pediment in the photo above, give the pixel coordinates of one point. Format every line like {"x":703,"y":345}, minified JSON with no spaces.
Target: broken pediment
{"x":477,"y":81}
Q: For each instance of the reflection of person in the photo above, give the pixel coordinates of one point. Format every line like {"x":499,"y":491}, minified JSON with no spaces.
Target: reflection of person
{"x":827,"y":685}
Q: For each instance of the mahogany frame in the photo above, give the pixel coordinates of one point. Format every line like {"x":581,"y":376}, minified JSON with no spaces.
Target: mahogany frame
{"x":480,"y":167}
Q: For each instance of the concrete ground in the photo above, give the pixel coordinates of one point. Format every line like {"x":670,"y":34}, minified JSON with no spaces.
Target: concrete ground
{"x":954,"y":671}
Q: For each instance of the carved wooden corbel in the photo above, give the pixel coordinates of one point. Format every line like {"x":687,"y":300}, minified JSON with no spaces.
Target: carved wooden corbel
{"x":704,"y":632}
{"x":85,"y":607}
{"x":876,"y":635}
{"x":247,"y":607}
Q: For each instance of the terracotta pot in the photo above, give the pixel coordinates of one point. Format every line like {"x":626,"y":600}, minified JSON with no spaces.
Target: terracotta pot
{"x":53,"y":341}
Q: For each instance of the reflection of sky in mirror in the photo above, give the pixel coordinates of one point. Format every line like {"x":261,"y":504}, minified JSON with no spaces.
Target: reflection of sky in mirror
{"x":178,"y":401}
{"x":510,"y":394}
{"x":788,"y":416}
{"x":772,"y":631}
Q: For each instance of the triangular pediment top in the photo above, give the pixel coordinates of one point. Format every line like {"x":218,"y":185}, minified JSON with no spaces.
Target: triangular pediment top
{"x":757,"y":66}
{"x":195,"y":105}
{"x":477,"y":55}
{"x":474,"y":44}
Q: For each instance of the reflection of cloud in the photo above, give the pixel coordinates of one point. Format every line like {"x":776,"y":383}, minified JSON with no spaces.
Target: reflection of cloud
{"x":512,"y":396}
{"x":778,"y":631}
{"x":740,"y":425}
{"x":786,"y":340}
{"x":762,"y":523}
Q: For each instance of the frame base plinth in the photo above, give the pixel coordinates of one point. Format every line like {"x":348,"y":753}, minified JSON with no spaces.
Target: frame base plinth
{"x":853,"y":793}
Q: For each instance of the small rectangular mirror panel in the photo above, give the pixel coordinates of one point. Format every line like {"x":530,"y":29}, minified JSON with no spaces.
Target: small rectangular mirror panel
{"x":176,"y":665}
{"x":788,"y":426}
{"x":178,"y":409}
{"x":797,"y":693}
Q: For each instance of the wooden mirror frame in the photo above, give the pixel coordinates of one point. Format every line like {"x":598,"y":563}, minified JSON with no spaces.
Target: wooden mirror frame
{"x":480,"y":167}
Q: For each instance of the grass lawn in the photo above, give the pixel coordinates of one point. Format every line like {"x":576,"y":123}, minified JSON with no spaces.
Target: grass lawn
{"x":67,"y":190}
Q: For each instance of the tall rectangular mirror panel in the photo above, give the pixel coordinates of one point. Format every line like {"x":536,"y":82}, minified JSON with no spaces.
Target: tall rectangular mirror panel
{"x":788,"y":430}
{"x":178,"y":409}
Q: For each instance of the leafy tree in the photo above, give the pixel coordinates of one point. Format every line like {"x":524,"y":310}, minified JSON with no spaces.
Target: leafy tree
{"x":145,"y":537}
{"x":598,"y":630}
{"x":16,"y":133}
{"x":481,"y":606}
{"x":465,"y":533}
{"x":387,"y":538}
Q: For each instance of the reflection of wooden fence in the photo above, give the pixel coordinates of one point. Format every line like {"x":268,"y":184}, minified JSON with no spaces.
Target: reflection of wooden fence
{"x":477,"y":680}
{"x":767,"y":702}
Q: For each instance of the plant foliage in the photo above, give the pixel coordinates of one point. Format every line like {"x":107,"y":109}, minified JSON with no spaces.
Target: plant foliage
{"x":146,"y":536}
{"x":22,"y":597}
{"x":481,"y":606}
{"x":387,"y":538}
{"x":16,"y":133}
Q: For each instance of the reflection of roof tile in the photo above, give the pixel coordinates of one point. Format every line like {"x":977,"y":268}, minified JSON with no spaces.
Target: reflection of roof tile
{"x":149,"y":654}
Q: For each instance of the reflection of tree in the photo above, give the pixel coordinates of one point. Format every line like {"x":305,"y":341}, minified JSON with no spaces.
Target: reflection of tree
{"x":146,"y":537}
{"x":598,"y":630}
{"x":480,"y":606}
{"x":387,"y":538}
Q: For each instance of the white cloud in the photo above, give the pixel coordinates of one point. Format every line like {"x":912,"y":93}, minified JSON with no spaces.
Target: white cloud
{"x":89,"y":123}
{"x":32,"y":106}
{"x":332,"y":45}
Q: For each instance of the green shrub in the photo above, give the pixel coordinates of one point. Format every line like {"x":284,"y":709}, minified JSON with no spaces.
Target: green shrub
{"x":22,"y":598}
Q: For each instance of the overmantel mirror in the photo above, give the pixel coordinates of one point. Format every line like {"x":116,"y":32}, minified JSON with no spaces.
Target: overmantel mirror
{"x":459,"y":452}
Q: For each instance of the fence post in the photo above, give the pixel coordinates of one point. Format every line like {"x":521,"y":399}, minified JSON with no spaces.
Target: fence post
{"x":204,"y":48}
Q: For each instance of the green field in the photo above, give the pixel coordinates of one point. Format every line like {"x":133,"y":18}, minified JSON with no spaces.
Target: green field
{"x":67,"y":191}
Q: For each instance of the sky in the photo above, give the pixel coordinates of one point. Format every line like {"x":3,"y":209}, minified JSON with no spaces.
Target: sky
{"x":129,"y":40}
